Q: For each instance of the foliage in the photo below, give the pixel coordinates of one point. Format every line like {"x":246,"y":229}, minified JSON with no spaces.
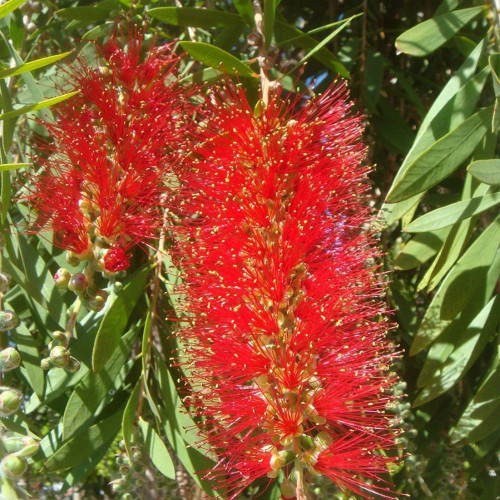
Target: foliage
{"x":427,"y":78}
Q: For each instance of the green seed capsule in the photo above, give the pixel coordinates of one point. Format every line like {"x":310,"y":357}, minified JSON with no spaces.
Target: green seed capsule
{"x":59,"y":356}
{"x":9,"y":359}
{"x":13,"y":467}
{"x":78,"y":283}
{"x":10,"y":401}
{"x":8,"y":320}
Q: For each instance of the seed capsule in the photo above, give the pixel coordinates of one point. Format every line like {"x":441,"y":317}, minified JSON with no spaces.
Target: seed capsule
{"x":9,"y":359}
{"x":8,"y":320}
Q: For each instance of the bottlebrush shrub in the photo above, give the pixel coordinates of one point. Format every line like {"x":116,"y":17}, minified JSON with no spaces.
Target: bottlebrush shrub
{"x":105,"y":172}
{"x":288,"y":361}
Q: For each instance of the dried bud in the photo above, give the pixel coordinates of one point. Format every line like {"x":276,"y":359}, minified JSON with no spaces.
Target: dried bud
{"x":62,"y":277}
{"x":8,"y":320}
{"x":13,"y":467}
{"x":10,"y":401}
{"x":255,"y":39}
{"x":73,"y":365}
{"x":78,"y":283}
{"x":97,"y":302}
{"x":59,"y":356}
{"x":9,"y":359}
{"x":4,"y":282}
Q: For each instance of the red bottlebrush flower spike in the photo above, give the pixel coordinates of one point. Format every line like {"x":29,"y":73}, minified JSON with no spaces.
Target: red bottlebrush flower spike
{"x":286,"y":343}
{"x":105,"y":173}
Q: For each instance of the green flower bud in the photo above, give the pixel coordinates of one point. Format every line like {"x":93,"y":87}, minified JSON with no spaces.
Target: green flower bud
{"x":8,"y":320}
{"x":24,"y":446}
{"x":306,"y":442}
{"x":61,"y":337}
{"x":288,"y":489}
{"x":9,"y":359}
{"x":13,"y":467}
{"x":10,"y":401}
{"x":117,"y":286}
{"x":4,"y":282}
{"x":59,"y":356}
{"x":78,"y":283}
{"x":62,"y":277}
{"x":124,"y":470}
{"x":46,"y":364}
{"x":73,"y":365}
{"x":72,"y":259}
{"x":97,"y":302}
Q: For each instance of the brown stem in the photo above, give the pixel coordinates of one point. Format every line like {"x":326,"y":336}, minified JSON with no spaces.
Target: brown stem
{"x":259,"y":27}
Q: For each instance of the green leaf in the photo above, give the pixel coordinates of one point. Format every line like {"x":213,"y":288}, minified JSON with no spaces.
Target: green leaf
{"x":443,"y":157}
{"x":483,"y":405}
{"x":269,"y":17}
{"x":487,"y":171}
{"x":87,"y":14}
{"x":32,"y":65}
{"x":91,"y":391}
{"x":458,"y":287}
{"x":8,"y":7}
{"x":245,"y":8}
{"x":217,"y":58}
{"x":156,"y":450}
{"x":420,"y":249}
{"x":466,"y":348}
{"x":84,"y":444}
{"x":116,"y":318}
{"x":451,"y":214}
{"x":429,"y":35}
{"x":194,"y":16}
{"x":374,"y":75}
{"x":35,"y":107}
{"x":129,"y":416}
{"x":453,"y":105}
{"x":13,"y":166}
{"x":303,"y":40}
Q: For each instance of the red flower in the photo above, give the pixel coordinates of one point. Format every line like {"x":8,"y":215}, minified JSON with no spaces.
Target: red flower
{"x":286,"y":345}
{"x":105,"y":173}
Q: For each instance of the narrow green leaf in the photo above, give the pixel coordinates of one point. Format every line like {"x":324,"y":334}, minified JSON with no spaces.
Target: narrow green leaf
{"x":156,"y":450}
{"x":374,"y":75}
{"x":32,"y":65}
{"x":269,"y":17}
{"x":91,"y":391}
{"x":87,"y":14}
{"x":421,"y":248}
{"x":129,"y":416}
{"x":452,"y":106}
{"x":302,"y":40}
{"x":84,"y":444}
{"x":116,"y":318}
{"x":217,"y":58}
{"x":466,"y":349}
{"x":451,"y":214}
{"x":244,"y":7}
{"x":8,"y":7}
{"x":205,"y":75}
{"x":443,"y":157}
{"x":484,"y":404}
{"x":13,"y":166}
{"x":426,"y":37}
{"x":35,"y":107}
{"x":487,"y":171}
{"x":459,"y":286}
{"x":194,"y":16}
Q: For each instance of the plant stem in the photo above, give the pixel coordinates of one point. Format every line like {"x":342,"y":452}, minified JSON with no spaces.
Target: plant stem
{"x":259,"y":27}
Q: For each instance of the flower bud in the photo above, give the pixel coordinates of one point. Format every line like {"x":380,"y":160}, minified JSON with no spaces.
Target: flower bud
{"x":288,"y":489}
{"x":124,"y":469}
{"x":10,"y":401}
{"x":72,"y":259}
{"x":61,"y":337}
{"x":4,"y":282}
{"x":59,"y":356}
{"x":62,"y":277}
{"x":24,"y":446}
{"x":9,"y":359}
{"x":78,"y":283}
{"x":13,"y":467}
{"x":97,"y":302}
{"x":46,"y":364}
{"x":117,"y":286}
{"x":8,"y":320}
{"x":73,"y":365}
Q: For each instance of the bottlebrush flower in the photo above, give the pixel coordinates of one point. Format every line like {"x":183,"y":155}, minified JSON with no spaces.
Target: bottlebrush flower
{"x":105,"y":172}
{"x":286,"y":344}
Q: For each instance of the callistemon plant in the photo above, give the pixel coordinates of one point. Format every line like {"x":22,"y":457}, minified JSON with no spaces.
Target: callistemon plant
{"x":103,"y":177}
{"x":288,"y":362}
